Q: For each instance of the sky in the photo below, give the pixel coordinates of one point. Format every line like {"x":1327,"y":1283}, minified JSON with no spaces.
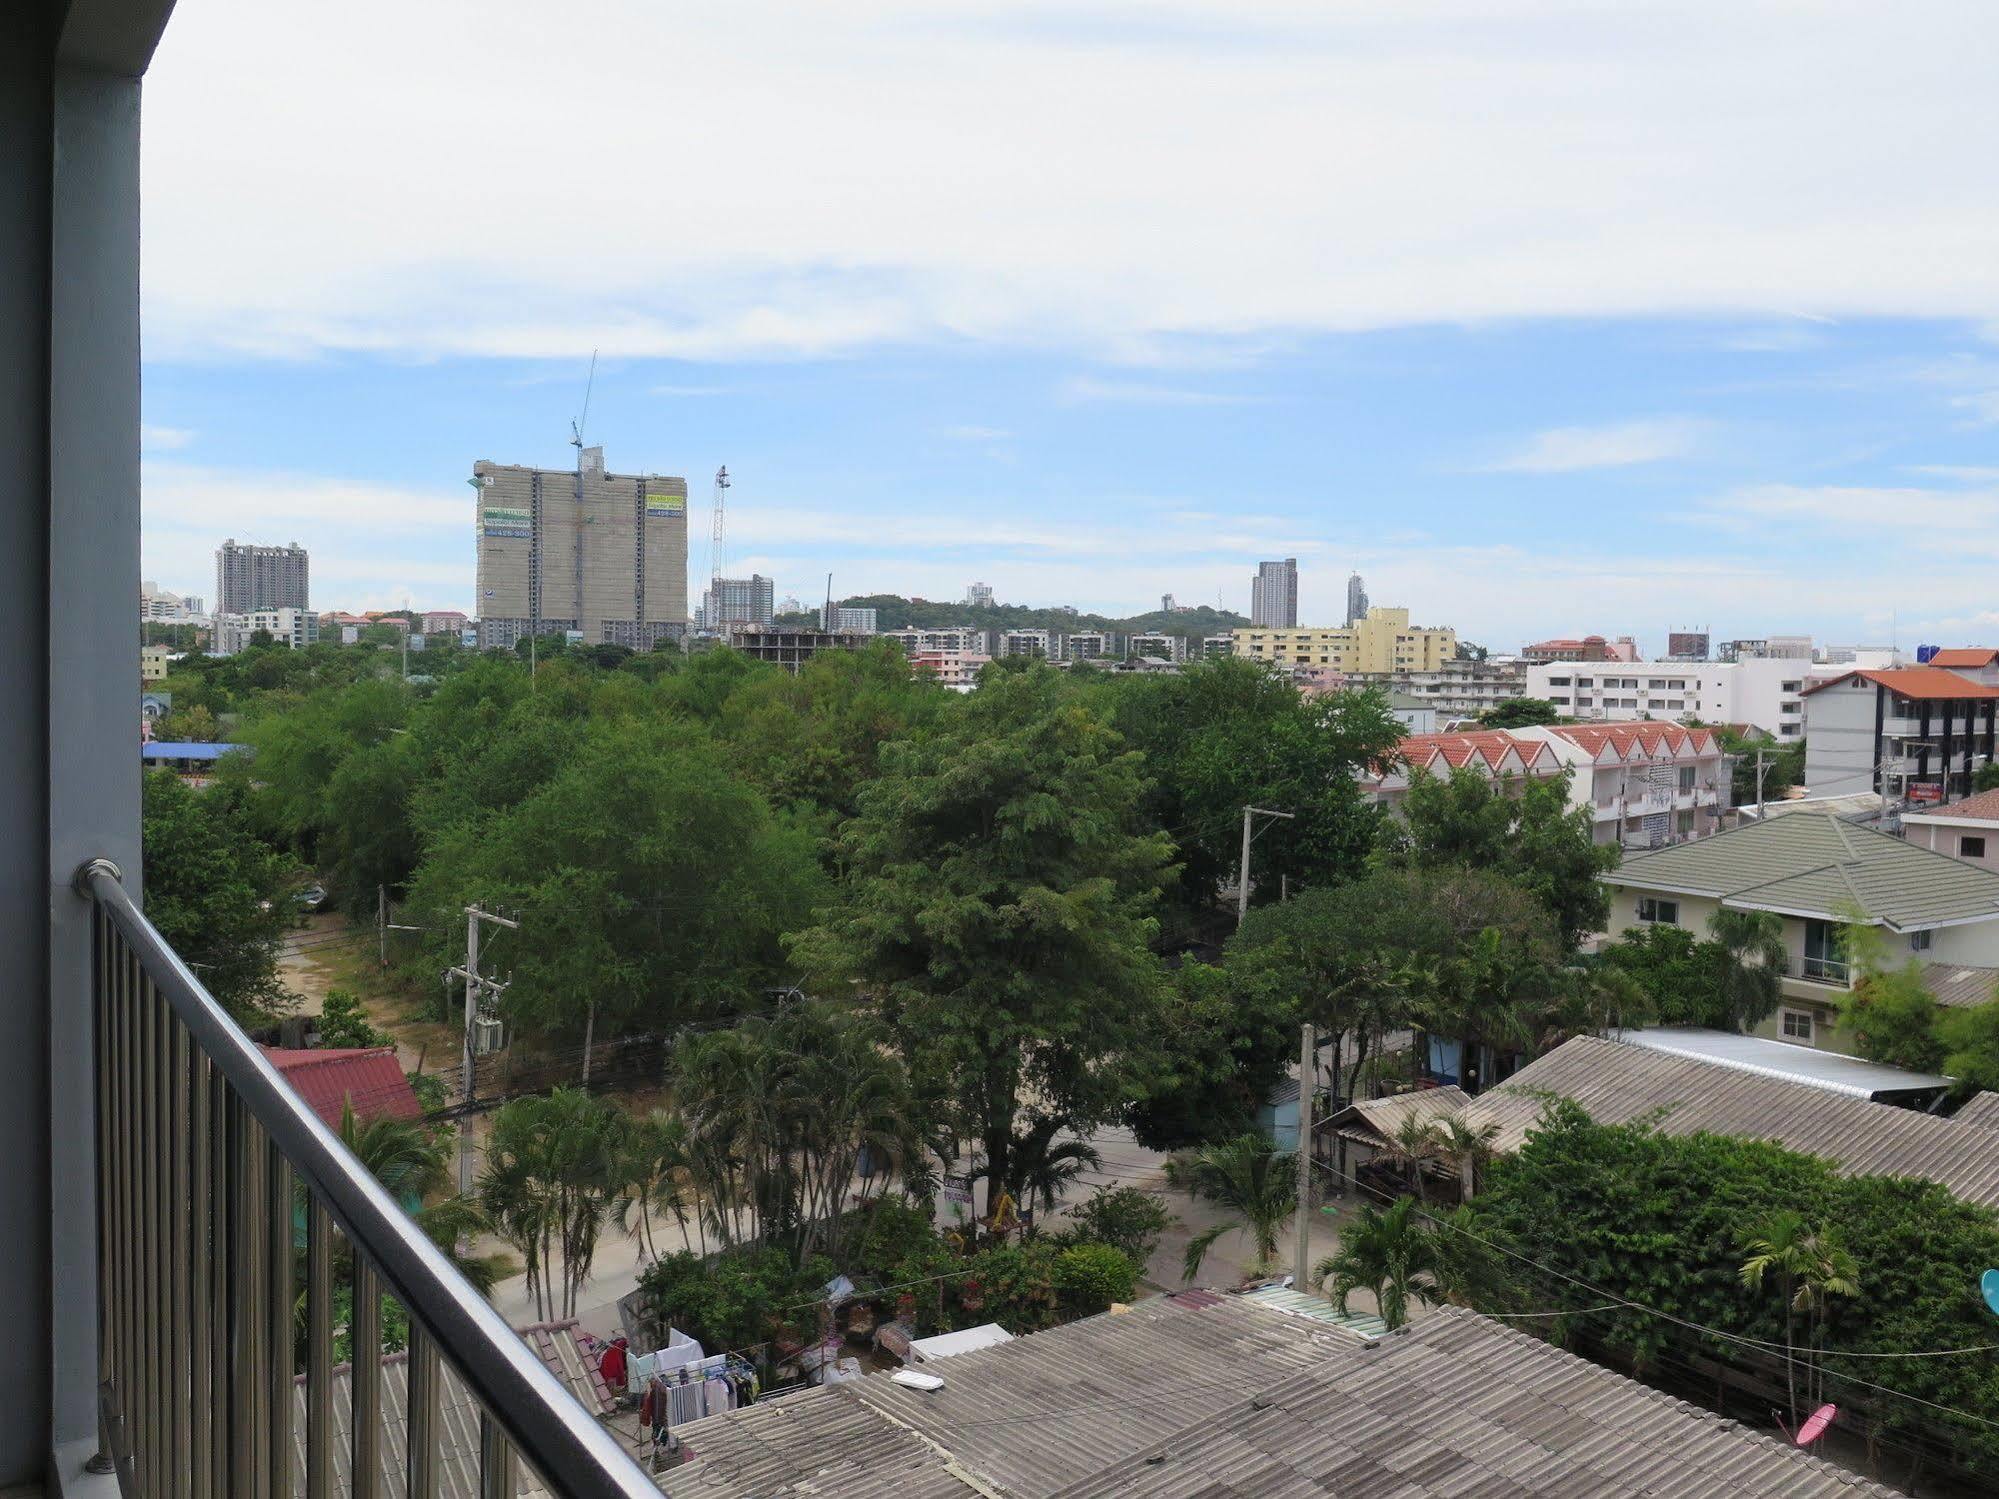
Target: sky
{"x":1548,"y":316}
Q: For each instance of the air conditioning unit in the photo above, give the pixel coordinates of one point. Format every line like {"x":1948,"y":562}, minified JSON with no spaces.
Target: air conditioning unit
{"x":487,"y":1035}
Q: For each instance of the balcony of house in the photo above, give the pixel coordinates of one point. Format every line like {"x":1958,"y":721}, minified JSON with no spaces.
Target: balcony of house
{"x":233,"y":1229}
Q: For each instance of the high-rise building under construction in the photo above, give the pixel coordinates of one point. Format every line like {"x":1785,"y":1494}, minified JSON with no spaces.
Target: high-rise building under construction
{"x":581,"y":550}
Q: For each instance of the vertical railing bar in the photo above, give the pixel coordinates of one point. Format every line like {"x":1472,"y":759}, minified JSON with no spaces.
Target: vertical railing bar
{"x":104,"y":1045}
{"x":135,"y":1275}
{"x":318,"y":1349}
{"x":243,"y":1372}
{"x":365,"y":1414}
{"x":282,"y":1295}
{"x":153,"y":1466}
{"x":200,"y":1276}
{"x":221,"y":1449}
{"x":256,"y":1202}
{"x":496,"y":1459}
{"x":175,"y":1146}
{"x":423,"y":1414}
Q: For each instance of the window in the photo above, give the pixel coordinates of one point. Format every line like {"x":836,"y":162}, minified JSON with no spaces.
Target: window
{"x":1919,"y":941}
{"x":1789,"y":686}
{"x":1969,"y":847}
{"x":1558,"y":681}
{"x":1658,"y":912}
{"x":1686,"y":823}
{"x":1797,"y":1025}
{"x":1686,"y":778}
{"x":1586,"y":681}
{"x":1559,"y":702}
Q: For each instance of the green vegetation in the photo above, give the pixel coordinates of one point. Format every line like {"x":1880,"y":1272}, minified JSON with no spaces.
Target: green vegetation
{"x":1520,"y":713}
{"x":1892,"y":1017}
{"x":893,"y":612}
{"x":1731,"y":981}
{"x":1254,"y":1184}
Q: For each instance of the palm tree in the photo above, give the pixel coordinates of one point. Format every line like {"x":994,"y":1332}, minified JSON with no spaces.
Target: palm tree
{"x":1387,"y":1252}
{"x":1753,"y":979}
{"x":1416,"y":1143}
{"x":1782,"y":1245}
{"x":1251,"y":1180}
{"x":1045,"y":1166}
{"x":1828,"y":1271}
{"x":1468,"y":1148}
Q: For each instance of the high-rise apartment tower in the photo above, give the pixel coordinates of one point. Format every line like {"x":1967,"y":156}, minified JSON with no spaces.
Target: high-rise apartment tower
{"x":253,"y":577}
{"x":737,"y":601}
{"x":599,"y":553}
{"x":1356,"y":600}
{"x":1273,"y":594}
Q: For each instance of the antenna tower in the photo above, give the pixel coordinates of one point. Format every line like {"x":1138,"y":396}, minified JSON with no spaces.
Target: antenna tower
{"x":715,"y":556}
{"x":576,"y":429}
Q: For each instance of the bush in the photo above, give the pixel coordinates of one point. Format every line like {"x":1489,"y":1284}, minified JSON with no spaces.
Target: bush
{"x":743,"y":1299}
{"x":1089,"y":1277}
{"x":342,"y":1022}
{"x":1013,"y":1285}
{"x":1128,"y":1219}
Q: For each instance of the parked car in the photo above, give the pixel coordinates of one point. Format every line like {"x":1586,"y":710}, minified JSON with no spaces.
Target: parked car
{"x":312,"y":897}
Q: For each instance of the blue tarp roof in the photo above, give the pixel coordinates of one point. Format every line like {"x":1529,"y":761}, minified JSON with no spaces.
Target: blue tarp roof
{"x":154,"y":750}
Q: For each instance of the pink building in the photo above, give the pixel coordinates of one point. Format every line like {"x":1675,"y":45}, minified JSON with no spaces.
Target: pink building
{"x":956,"y":670}
{"x":444,"y":622}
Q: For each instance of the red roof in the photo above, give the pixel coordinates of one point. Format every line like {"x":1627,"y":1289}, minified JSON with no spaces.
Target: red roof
{"x":369,"y":1075}
{"x":1650,"y":737}
{"x":1965,"y":657}
{"x":1983,"y":807}
{"x":1922,"y":683}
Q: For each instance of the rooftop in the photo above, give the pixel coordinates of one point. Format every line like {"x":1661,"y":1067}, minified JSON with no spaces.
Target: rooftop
{"x":1780,"y":1059}
{"x":1965,"y":658}
{"x":1824,"y":867}
{"x":1920,"y":683}
{"x":1617,"y":1083}
{"x":1959,"y":985}
{"x":1219,"y":1397}
{"x":327,"y":1079}
{"x":1982,"y":1111}
{"x":1983,"y":807}
{"x":155,"y":749}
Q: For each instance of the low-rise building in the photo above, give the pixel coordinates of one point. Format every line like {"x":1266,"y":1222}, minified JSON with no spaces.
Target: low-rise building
{"x":1456,"y":689}
{"x":1980,"y":663}
{"x":1915,"y":732}
{"x":1158,"y":647}
{"x":1216,"y":646}
{"x":1818,"y":873}
{"x":297,"y":628}
{"x":1967,"y":829}
{"x":974,"y":639}
{"x":1094,"y":645}
{"x":956,"y":670}
{"x":1047,"y":644}
{"x":1767,"y":692}
{"x":1565,"y":648}
{"x":445,"y":622}
{"x":1384,"y":641}
{"x":1645,"y":785}
{"x":1496,"y":754}
{"x":791,"y":649}
{"x":152,"y":663}
{"x":162,"y":606}
{"x":860,"y":619}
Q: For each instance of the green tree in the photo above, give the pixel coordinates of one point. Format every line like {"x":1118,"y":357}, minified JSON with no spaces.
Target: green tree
{"x":552,"y":1169}
{"x":194,"y":724}
{"x":1251,"y":1181}
{"x":344,"y":1023}
{"x":1682,"y":977}
{"x":1520,"y":713}
{"x":1388,"y":1252}
{"x":1970,"y":1038}
{"x":998,"y":909}
{"x":1891,"y":1015}
{"x":1526,"y":832}
{"x":412,"y":1160}
{"x":220,"y":896}
{"x":1229,"y":1033}
{"x":1129,"y":1219}
{"x":1781,"y":1247}
{"x":1752,"y":968}
{"x":1986,"y":777}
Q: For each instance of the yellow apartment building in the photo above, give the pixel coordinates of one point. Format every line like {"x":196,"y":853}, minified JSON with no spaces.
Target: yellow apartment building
{"x":1384,"y":641}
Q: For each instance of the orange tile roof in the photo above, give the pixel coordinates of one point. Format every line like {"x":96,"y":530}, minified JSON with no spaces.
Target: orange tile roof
{"x":1983,"y":807}
{"x":1919,"y":682}
{"x":1651,"y":738}
{"x":1965,"y":656}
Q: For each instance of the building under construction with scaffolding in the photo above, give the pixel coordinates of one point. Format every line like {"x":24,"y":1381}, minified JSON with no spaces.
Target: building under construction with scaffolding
{"x":582,"y":551}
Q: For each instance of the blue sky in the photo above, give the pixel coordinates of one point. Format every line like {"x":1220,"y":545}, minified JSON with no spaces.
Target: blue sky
{"x":1546,"y":317}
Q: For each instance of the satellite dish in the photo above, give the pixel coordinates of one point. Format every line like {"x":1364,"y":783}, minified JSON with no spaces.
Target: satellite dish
{"x":1816,"y":1423}
{"x":1989,"y":1284}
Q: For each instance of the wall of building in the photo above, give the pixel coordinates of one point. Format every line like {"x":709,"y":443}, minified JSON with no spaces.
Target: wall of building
{"x":1840,"y":743}
{"x":1948,"y":838}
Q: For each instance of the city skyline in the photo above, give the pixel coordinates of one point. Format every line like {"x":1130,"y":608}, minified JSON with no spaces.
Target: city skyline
{"x":1521,"y":373}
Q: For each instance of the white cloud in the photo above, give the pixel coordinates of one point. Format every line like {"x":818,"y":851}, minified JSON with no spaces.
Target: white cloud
{"x":813,"y":179}
{"x":1088,"y":390}
{"x":1983,"y":407}
{"x":153,"y":439}
{"x":1563,"y":450}
{"x":972,"y":433}
{"x":1967,"y":473}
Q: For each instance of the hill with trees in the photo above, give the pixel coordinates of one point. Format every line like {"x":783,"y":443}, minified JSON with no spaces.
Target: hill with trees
{"x":894,"y":612}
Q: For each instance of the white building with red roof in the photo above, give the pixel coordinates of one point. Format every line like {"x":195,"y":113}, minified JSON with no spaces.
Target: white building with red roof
{"x":1499,"y":755}
{"x":1646,"y":785}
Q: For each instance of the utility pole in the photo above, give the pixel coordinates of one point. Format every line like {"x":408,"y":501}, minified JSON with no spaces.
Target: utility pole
{"x":383,"y":926}
{"x":473,"y":985}
{"x":1308,"y":1067}
{"x":1249,"y":814}
{"x":1759,"y":783}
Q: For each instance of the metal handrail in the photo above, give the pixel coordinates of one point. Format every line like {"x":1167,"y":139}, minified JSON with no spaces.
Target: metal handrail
{"x":561,"y":1441}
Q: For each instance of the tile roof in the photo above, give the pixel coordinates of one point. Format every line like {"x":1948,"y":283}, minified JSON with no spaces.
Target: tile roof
{"x":1917,"y":682}
{"x":1223,"y":1398}
{"x":1819,"y":866}
{"x":1617,"y":1083}
{"x":1384,"y":1116}
{"x":1965,"y":657}
{"x":327,"y":1078}
{"x":1455,"y":1404}
{"x":1959,"y":985}
{"x":1983,"y":807}
{"x":458,"y":1417}
{"x":1646,"y":738}
{"x":1982,"y":1110}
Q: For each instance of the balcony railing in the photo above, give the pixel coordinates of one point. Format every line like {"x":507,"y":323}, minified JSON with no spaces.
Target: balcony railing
{"x":206,"y":1161}
{"x":1825,"y":971}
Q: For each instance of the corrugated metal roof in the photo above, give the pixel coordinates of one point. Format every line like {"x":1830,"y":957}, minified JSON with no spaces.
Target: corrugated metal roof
{"x":458,"y":1418}
{"x":1317,"y":1308}
{"x":1852,"y":1076}
{"x":817,"y":1442}
{"x":1617,"y":1083}
{"x":1982,"y":1110}
{"x":369,"y":1075}
{"x":1459,"y":1405}
{"x":1959,"y":985}
{"x":1821,"y":866}
{"x":163,"y":749}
